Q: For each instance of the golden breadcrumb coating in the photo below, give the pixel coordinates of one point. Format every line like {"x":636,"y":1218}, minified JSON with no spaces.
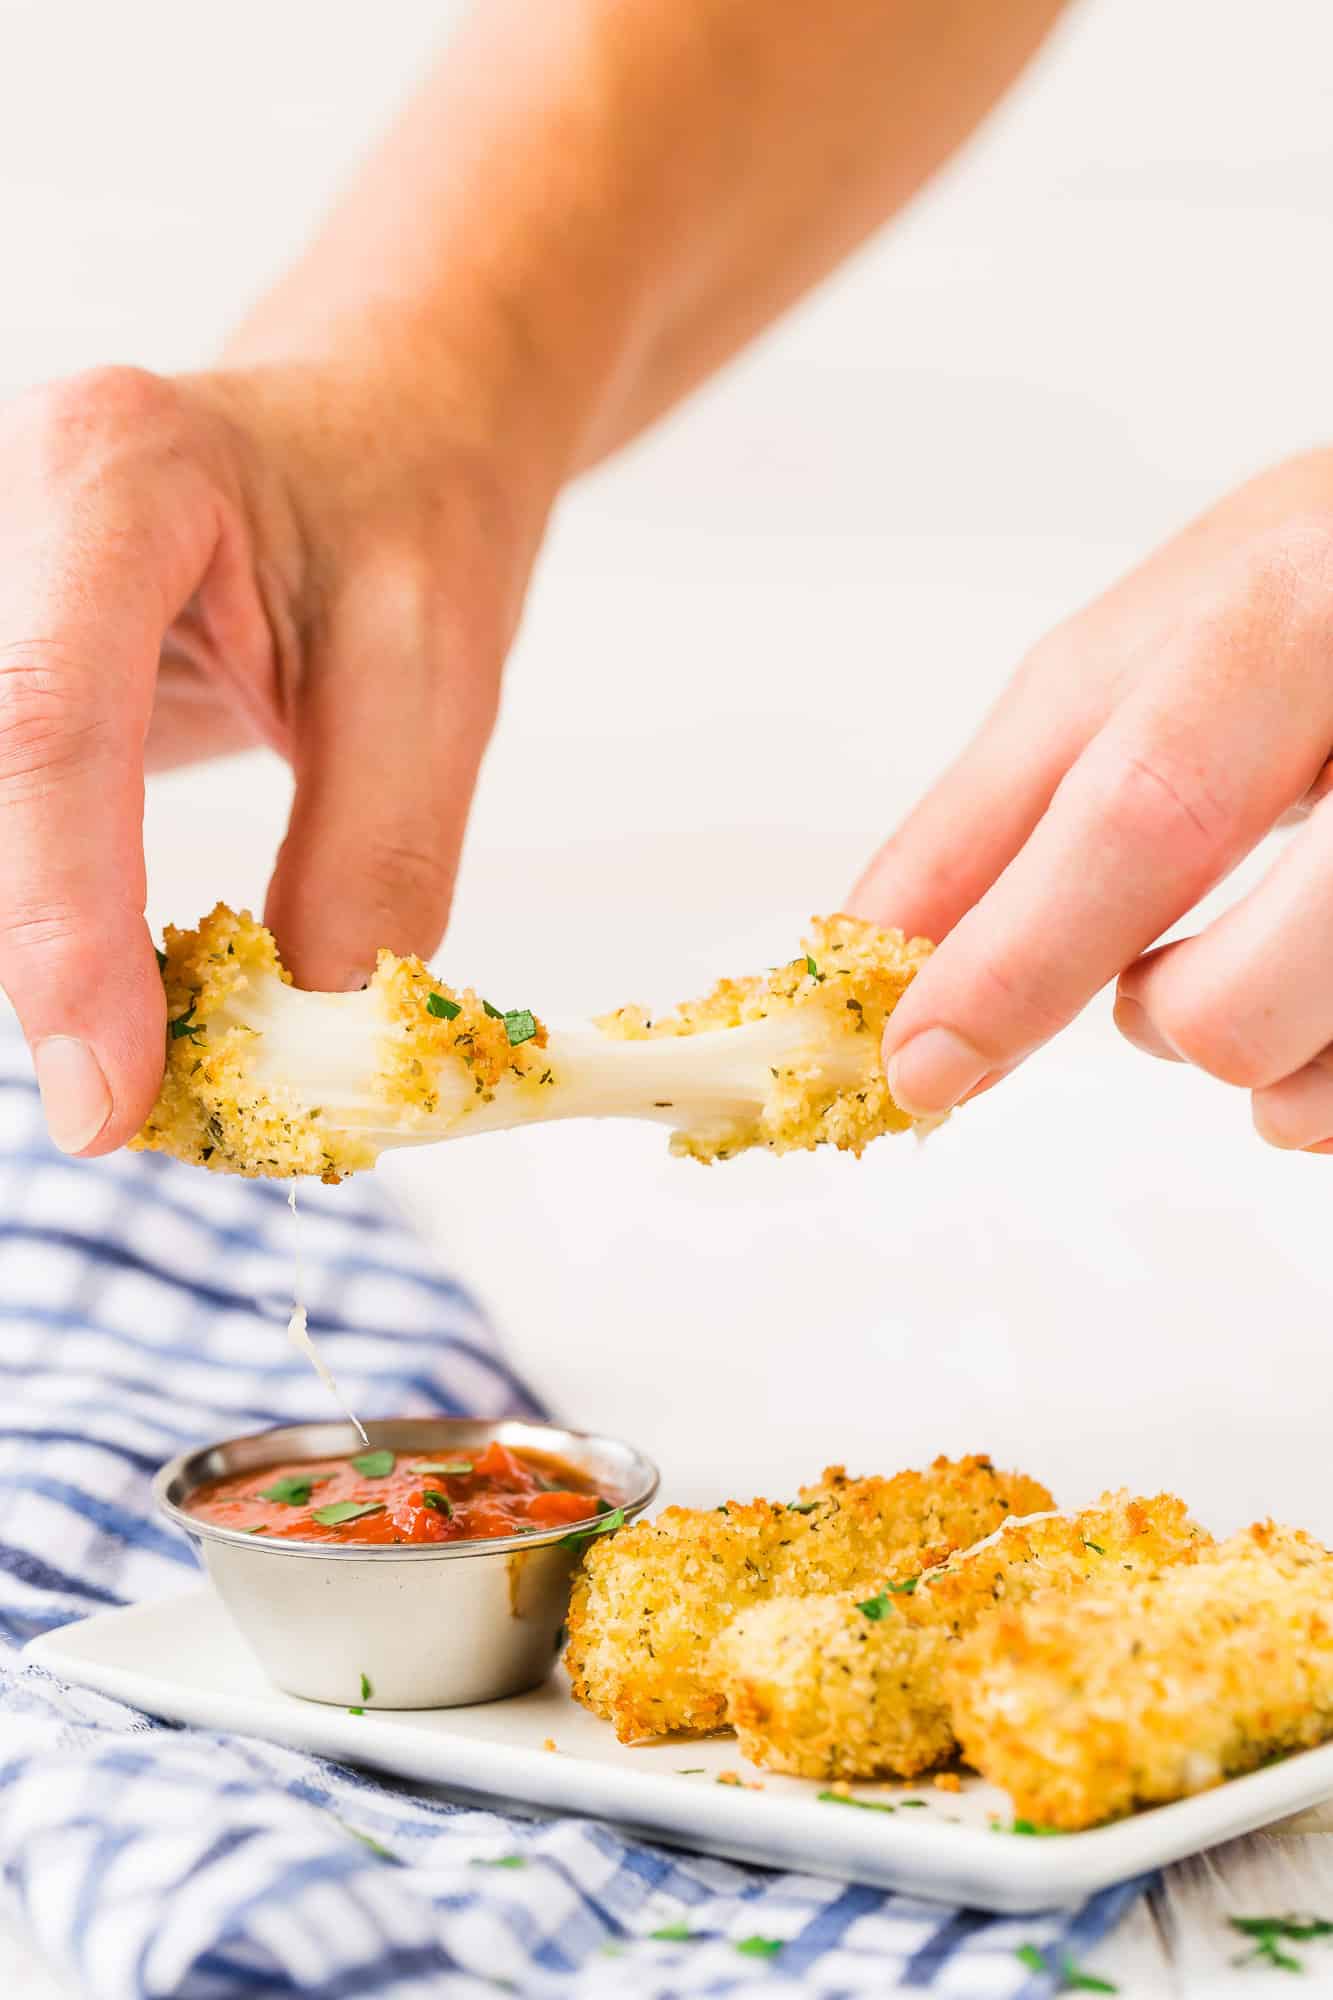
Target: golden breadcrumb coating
{"x":215,"y":1109}
{"x":1151,"y":1686}
{"x":650,"y":1600}
{"x":850,"y":976}
{"x":207,"y":1110}
{"x":826,"y":1687}
{"x":262,"y":1079}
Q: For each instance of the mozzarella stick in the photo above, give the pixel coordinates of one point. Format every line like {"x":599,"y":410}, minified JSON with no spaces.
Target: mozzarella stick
{"x":1152,"y":1686}
{"x":833,"y":1687}
{"x":650,"y":1601}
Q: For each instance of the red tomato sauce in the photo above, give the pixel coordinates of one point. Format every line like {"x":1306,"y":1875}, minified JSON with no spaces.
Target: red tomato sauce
{"x":379,"y":1497}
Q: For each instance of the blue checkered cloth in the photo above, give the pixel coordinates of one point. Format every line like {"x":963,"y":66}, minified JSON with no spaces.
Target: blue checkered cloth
{"x":142,"y":1306}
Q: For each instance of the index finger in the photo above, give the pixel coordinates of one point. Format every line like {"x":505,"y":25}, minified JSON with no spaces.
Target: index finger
{"x":1178,"y":786}
{"x":85,"y":579}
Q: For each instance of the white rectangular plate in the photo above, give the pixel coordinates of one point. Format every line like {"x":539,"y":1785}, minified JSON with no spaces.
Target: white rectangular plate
{"x":184,"y":1660}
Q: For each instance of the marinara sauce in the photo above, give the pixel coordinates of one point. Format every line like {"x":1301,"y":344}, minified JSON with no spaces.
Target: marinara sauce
{"x":379,"y":1497}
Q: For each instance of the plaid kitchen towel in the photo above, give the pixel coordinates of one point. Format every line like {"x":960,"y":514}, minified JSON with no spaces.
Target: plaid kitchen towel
{"x":141,"y":1309}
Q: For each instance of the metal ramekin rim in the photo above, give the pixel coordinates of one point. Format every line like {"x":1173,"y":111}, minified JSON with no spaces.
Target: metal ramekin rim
{"x":500,"y":1545}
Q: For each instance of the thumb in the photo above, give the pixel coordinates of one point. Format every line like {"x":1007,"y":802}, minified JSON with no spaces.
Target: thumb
{"x":394,"y":718}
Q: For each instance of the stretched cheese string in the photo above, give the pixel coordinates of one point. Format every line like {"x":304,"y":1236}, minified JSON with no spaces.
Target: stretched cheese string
{"x":299,"y":1333}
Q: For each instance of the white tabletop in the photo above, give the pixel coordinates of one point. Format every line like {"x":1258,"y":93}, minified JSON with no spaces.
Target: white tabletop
{"x":749,"y":645}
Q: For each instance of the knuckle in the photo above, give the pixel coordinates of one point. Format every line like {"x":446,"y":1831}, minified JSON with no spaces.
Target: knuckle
{"x":400,"y":874}
{"x":1213,"y":1032}
{"x":47,"y":725}
{"x":1148,"y":802}
{"x":80,"y":422}
{"x":1281,"y":583}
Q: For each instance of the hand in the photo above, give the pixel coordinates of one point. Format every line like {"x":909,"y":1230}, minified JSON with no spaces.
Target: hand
{"x":1139,"y":753}
{"x":275,"y":556}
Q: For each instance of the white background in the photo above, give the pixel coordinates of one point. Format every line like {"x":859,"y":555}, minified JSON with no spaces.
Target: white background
{"x":750,"y":644}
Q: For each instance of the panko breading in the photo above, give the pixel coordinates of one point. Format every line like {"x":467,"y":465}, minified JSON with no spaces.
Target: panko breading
{"x":850,"y":976}
{"x":1152,"y":1686}
{"x":650,"y":1600}
{"x":264,"y":1079}
{"x":824,"y":1687}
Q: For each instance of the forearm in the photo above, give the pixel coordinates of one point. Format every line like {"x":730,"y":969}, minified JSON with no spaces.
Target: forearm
{"x":587,"y":207}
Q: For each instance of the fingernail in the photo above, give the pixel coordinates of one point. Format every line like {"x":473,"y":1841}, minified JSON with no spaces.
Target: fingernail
{"x":933,"y":1070}
{"x":75,"y":1095}
{"x":1135,"y":1024}
{"x":1296,"y":1114}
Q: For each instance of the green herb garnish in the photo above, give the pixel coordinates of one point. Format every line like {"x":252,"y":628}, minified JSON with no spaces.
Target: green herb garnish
{"x":692,"y":1771}
{"x":293,"y":1491}
{"x":1268,"y":1934}
{"x":439,"y":1501}
{"x":1030,"y":1826}
{"x":185,"y":1024}
{"x":520,"y":1026}
{"x":374,"y":1464}
{"x":1096,"y":1548}
{"x":458,"y":1469}
{"x":672,"y":1934}
{"x":500,"y":1861}
{"x":759,"y":1947}
{"x":367,"y":1691}
{"x":256,"y":1531}
{"x":605,"y":1526}
{"x":846,"y":1799}
{"x":494,"y":1012}
{"x":812,"y":968}
{"x":1072,"y":1979}
{"x":356,"y":1711}
{"x":801,"y":1506}
{"x":911,"y":1802}
{"x":442,"y":1009}
{"x":339,"y":1511}
{"x":877,"y":1607}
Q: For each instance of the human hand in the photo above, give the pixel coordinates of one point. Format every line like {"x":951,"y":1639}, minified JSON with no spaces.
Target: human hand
{"x":279,"y":556}
{"x":1139,"y":753}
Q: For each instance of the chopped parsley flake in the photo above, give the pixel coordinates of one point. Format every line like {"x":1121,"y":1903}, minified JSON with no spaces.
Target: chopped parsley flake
{"x":1269,"y":1934}
{"x":374,"y":1464}
{"x":293,"y":1491}
{"x":672,"y":1934}
{"x":879,"y":1606}
{"x":607,"y":1525}
{"x":759,"y":1947}
{"x":1072,"y":1979}
{"x":185,"y":1024}
{"x":1030,"y":1826}
{"x":500,"y":1861}
{"x":345,"y":1510}
{"x":1096,"y":1548}
{"x":457,"y":1468}
{"x":494,"y":1012}
{"x":802,"y":1506}
{"x":439,"y":1501}
{"x":367,"y":1690}
{"x":692,"y":1771}
{"x":441,"y":1008}
{"x":520,"y":1026}
{"x":356,"y":1711}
